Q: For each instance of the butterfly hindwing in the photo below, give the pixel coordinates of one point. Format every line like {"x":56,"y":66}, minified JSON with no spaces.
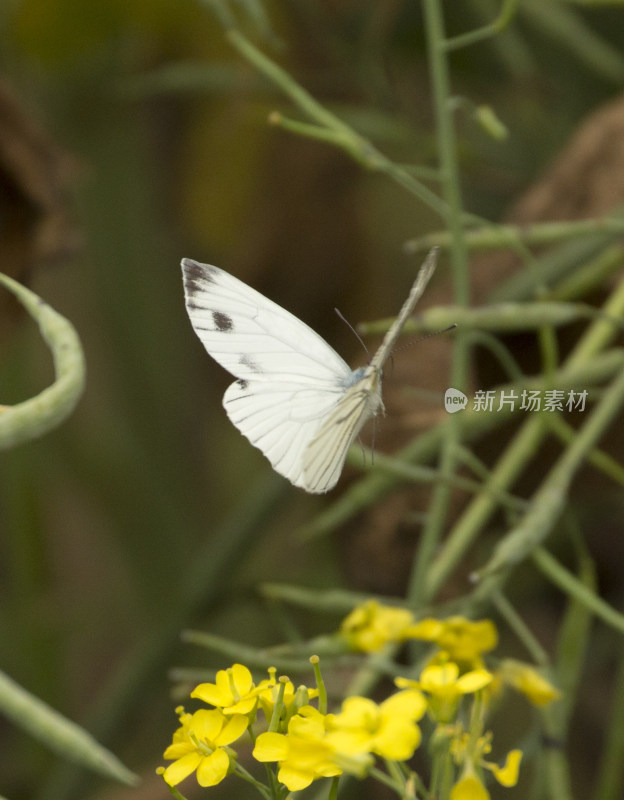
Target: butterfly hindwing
{"x":324,"y":457}
{"x":281,"y":420}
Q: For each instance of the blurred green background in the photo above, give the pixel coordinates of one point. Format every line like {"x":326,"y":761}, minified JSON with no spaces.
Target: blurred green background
{"x":147,"y":512}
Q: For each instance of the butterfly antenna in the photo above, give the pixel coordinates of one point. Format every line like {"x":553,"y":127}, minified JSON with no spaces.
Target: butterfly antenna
{"x":357,"y":335}
{"x":363,"y":449}
{"x":373,"y":442}
{"x":426,"y":336}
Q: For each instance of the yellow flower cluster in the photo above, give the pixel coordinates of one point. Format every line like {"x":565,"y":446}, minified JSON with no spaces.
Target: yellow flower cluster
{"x":454,"y":670}
{"x":453,"y":689}
{"x":325,"y":745}
{"x":306,"y":743}
{"x":371,"y":626}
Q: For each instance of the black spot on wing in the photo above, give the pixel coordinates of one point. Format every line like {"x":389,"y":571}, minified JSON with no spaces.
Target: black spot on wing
{"x":222,"y":321}
{"x":247,"y":361}
{"x":242,"y":383}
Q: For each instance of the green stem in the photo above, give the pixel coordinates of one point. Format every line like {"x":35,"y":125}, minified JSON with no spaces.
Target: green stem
{"x":320,"y":684}
{"x":521,"y":449}
{"x":467,"y":528}
{"x":602,"y":332}
{"x":332,"y":129}
{"x":549,"y":500}
{"x":572,"y":586}
{"x":573,"y":635}
{"x":264,"y":790}
{"x":35,"y":417}
{"x":333,"y":789}
{"x":449,"y":170}
{"x":487,"y":31}
{"x":473,"y":425}
{"x":58,"y":733}
{"x":520,"y":628}
{"x":503,"y":236}
{"x":596,"y":457}
{"x":386,"y":780}
{"x":420,"y":474}
{"x":608,"y":786}
{"x":499,"y":317}
{"x":447,"y":139}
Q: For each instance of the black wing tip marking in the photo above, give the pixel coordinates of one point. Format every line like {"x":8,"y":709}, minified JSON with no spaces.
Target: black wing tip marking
{"x":195,"y":274}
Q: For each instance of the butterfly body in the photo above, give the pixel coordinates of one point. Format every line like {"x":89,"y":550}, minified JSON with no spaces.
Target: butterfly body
{"x":294,"y":398}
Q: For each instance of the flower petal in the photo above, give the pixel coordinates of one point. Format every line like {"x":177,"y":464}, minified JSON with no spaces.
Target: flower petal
{"x":409,"y":704}
{"x":474,"y":680}
{"x":398,"y":742}
{"x":178,"y":749}
{"x":351,"y":741}
{"x":437,"y":677}
{"x":469,"y":788}
{"x":293,"y":779}
{"x":181,"y":768}
{"x":527,"y":680}
{"x":356,"y":712}
{"x":242,"y":679}
{"x":206,"y":723}
{"x":270,"y":747}
{"x":213,"y":768}
{"x":428,"y":629}
{"x":507,"y":775}
{"x":217,"y":694}
{"x":235,"y":727}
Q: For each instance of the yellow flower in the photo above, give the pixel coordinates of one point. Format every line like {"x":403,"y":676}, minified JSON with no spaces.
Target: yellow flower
{"x":370,"y":626}
{"x":527,"y":680}
{"x":303,"y":753}
{"x":463,"y":639}
{"x":198,"y":745}
{"x":445,"y":687}
{"x":293,"y":700}
{"x":388,"y":729}
{"x":506,"y":775}
{"x":469,"y":752}
{"x":233,"y":691}
{"x":469,"y":788}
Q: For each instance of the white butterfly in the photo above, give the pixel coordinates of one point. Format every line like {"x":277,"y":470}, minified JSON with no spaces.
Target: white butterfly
{"x":295,"y":398}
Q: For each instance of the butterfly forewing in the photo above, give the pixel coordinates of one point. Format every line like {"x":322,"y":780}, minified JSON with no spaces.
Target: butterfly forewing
{"x":250,"y":335}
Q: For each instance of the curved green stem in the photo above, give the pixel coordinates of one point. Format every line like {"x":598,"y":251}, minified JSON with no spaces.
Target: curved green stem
{"x":472,"y":37}
{"x":47,"y":410}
